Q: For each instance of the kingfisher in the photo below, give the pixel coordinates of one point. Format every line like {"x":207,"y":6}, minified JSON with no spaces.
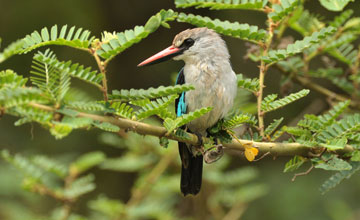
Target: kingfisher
{"x":208,"y":69}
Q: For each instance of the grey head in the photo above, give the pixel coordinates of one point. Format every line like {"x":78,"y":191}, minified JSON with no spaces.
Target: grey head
{"x":199,"y":44}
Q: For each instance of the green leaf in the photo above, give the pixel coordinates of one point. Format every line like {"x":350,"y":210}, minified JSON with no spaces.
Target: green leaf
{"x":249,"y":84}
{"x":238,"y":119}
{"x":24,"y":165}
{"x":110,"y":207}
{"x":342,"y":18}
{"x":336,"y":179}
{"x":334,"y":5}
{"x":333,"y":164}
{"x":283,"y":9}
{"x":20,"y":96}
{"x":60,"y":130}
{"x":50,"y":165}
{"x":273,"y":126}
{"x":241,"y":31}
{"x":222,"y":4}
{"x":51,"y":80}
{"x":304,"y":22}
{"x":86,"y":106}
{"x":270,"y":104}
{"x":157,"y":107}
{"x":335,"y":144}
{"x":345,"y":127}
{"x":48,"y":72}
{"x":106,"y":126}
{"x":172,"y":124}
{"x":81,"y":40}
{"x":299,"y":46}
{"x":114,"y":44}
{"x":295,"y":163}
{"x":128,"y":163}
{"x":87,"y":161}
{"x":345,"y":53}
{"x":122,"y":109}
{"x":355,"y":156}
{"x":9,"y":79}
{"x":29,"y":114}
{"x":151,"y":93}
{"x":13,"y":49}
{"x":80,"y":187}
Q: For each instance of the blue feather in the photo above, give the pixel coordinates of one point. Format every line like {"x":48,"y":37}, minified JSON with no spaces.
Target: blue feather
{"x":180,"y":103}
{"x":181,"y":108}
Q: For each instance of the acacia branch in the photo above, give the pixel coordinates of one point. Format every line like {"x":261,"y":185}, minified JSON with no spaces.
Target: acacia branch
{"x":274,"y":148}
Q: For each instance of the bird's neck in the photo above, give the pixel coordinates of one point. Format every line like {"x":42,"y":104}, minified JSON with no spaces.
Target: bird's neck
{"x":208,"y":65}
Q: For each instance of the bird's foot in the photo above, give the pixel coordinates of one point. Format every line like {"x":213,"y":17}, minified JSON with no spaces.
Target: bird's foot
{"x":213,"y":154}
{"x":200,"y":139}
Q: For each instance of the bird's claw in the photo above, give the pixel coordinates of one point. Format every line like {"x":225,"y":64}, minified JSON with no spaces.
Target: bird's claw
{"x":213,"y":154}
{"x":200,"y":139}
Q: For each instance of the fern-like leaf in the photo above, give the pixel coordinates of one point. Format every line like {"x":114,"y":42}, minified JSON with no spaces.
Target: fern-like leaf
{"x":273,"y":105}
{"x":29,"y":114}
{"x":222,"y":4}
{"x":114,"y":44}
{"x":122,"y":110}
{"x":151,"y":93}
{"x":345,"y":53}
{"x":342,"y":18}
{"x":86,"y":106}
{"x":106,"y":126}
{"x":297,"y":47}
{"x":342,"y":128}
{"x":171,"y":124}
{"x":304,"y":22}
{"x":283,"y":9}
{"x":339,"y":177}
{"x":50,"y":165}
{"x":248,"y":84}
{"x":19,"y":96}
{"x":157,"y":107}
{"x":273,"y":126}
{"x":24,"y":165}
{"x":241,"y":31}
{"x":239,"y":119}
{"x":47,"y":60}
{"x":328,"y":118}
{"x":13,"y":49}
{"x":9,"y":79}
{"x":76,"y":38}
{"x":294,"y":164}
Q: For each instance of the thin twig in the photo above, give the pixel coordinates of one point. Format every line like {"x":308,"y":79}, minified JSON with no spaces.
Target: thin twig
{"x":263,"y":69}
{"x":102,"y":68}
{"x":303,"y":173}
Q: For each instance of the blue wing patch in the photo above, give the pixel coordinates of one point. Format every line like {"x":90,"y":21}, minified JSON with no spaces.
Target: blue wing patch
{"x":180,"y":104}
{"x":181,"y":107}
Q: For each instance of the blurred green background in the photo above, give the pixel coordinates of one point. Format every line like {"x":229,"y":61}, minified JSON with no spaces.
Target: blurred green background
{"x":284,"y":199}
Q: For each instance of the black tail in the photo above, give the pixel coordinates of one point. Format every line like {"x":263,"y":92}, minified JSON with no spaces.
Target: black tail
{"x":191,"y":171}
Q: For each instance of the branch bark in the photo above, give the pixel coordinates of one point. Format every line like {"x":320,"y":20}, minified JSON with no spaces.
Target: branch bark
{"x":274,"y":148}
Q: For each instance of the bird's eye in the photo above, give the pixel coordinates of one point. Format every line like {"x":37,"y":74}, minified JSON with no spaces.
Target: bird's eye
{"x":188,"y":43}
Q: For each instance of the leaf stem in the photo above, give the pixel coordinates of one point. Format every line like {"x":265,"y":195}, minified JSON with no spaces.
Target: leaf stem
{"x":102,"y":67}
{"x":263,"y":69}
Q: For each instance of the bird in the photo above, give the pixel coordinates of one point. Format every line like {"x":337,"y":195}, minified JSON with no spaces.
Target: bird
{"x":208,"y":68}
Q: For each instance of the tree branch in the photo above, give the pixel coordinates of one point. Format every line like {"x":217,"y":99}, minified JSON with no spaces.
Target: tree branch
{"x":274,"y":148}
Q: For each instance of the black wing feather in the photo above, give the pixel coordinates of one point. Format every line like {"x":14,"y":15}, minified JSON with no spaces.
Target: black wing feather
{"x":191,"y":166}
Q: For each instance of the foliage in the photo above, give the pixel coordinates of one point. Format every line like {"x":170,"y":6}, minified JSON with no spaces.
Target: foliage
{"x":48,"y":97}
{"x":235,"y":29}
{"x":222,"y":4}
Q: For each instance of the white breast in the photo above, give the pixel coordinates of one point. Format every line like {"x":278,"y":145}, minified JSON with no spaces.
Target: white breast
{"x":214,"y":87}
